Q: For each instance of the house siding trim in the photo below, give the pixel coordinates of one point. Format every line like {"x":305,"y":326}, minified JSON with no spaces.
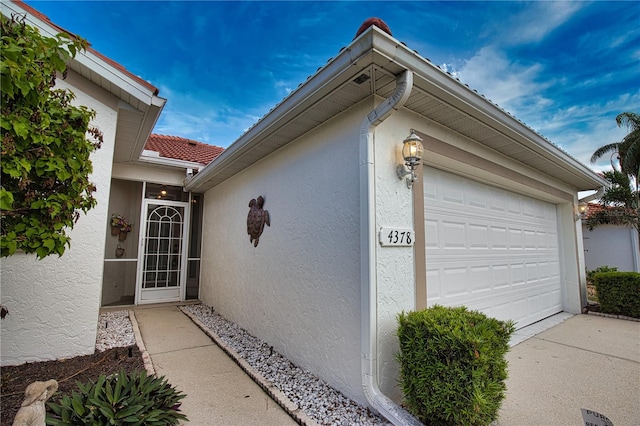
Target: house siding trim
{"x":435,"y":146}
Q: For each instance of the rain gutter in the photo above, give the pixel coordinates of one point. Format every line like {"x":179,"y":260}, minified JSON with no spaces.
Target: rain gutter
{"x":153,"y":157}
{"x":369,"y":308}
{"x":599,"y":193}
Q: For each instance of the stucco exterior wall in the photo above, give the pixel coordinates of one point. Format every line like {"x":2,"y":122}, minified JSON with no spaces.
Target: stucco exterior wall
{"x":395,"y":265}
{"x":54,"y":302}
{"x":299,"y":289}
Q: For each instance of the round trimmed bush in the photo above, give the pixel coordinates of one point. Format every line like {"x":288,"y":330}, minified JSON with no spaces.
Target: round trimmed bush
{"x":452,"y":365}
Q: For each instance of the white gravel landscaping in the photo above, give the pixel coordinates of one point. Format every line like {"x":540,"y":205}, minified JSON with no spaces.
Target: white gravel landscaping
{"x":315,"y":398}
{"x":114,"y":331}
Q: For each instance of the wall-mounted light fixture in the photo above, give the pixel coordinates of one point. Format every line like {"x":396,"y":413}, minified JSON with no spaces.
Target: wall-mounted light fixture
{"x":583,"y":208}
{"x":412,"y":153}
{"x":163,"y":191}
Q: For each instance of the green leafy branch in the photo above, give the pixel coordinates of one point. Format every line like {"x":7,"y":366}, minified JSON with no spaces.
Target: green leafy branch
{"x":45,"y":142}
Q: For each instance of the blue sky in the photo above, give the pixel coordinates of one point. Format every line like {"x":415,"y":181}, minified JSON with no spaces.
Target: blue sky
{"x":566,"y":69}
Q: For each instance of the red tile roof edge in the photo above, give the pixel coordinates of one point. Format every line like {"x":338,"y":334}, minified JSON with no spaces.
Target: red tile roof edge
{"x":111,"y":62}
{"x":184,"y":149}
{"x":593,"y":208}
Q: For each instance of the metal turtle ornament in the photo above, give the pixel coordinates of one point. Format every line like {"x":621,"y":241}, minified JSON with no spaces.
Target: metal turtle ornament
{"x":256,"y":220}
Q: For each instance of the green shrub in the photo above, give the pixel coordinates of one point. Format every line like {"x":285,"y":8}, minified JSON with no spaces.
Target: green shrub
{"x":132,"y":399}
{"x":619,"y":293}
{"x":452,"y":365}
{"x":600,"y":269}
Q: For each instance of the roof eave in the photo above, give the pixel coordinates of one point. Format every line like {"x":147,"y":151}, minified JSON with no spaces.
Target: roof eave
{"x":134,"y":93}
{"x":91,"y":59}
{"x":376,"y":47}
{"x":307,"y":94}
{"x":151,"y":116}
{"x":470,"y":102}
{"x":169,"y":162}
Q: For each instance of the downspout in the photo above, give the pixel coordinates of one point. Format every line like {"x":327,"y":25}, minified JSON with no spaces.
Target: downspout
{"x":592,"y":197}
{"x":368,"y":286}
{"x":583,"y":289}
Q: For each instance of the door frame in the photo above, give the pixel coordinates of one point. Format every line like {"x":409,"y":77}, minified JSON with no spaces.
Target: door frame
{"x":142,"y":242}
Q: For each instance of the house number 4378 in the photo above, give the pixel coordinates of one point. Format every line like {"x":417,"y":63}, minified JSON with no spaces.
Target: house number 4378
{"x":396,"y":237}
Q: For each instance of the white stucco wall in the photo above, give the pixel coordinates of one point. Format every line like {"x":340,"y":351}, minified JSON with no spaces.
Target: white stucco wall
{"x":395,"y":265}
{"x":611,"y":245}
{"x":54,"y":302}
{"x":299,"y":289}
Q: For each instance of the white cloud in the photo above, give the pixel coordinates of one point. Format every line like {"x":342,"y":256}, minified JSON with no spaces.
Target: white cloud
{"x":203,"y":119}
{"x":283,"y":85}
{"x":525,"y":91}
{"x":580,"y":130}
{"x":535,"y":22}
{"x":451,"y":69}
{"x":503,"y":81}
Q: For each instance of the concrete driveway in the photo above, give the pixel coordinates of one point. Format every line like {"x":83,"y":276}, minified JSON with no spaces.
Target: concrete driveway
{"x":587,"y":361}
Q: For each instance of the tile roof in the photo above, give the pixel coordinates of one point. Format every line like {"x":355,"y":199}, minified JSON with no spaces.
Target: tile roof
{"x":182,"y":149}
{"x":111,"y":62}
{"x":594,"y":208}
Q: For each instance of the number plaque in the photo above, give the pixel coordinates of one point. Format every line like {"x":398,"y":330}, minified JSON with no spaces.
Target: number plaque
{"x":396,"y":237}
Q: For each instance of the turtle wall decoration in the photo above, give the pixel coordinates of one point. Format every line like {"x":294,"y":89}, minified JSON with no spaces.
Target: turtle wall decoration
{"x":256,"y":219}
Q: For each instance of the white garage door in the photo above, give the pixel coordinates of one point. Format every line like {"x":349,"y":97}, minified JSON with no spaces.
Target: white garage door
{"x":490,"y":249}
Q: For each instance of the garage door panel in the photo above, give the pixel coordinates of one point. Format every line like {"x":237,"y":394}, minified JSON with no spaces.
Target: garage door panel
{"x":490,"y":249}
{"x":507,"y":303}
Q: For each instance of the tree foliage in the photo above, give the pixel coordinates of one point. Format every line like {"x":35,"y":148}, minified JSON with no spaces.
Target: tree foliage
{"x":619,"y":203}
{"x":627,"y":150}
{"x":46,"y":143}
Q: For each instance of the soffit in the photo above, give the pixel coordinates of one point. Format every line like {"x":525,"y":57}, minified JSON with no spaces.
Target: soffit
{"x":301,"y":121}
{"x":109,"y":86}
{"x":436,"y":96}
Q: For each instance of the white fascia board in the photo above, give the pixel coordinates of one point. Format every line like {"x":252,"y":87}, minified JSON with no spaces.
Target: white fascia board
{"x":453,"y":92}
{"x":375,"y":46}
{"x":168,"y":162}
{"x":149,"y":120}
{"x":89,"y":59}
{"x":118,"y":78}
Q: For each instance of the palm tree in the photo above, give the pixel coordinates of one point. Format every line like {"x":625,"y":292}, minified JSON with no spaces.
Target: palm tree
{"x":628,"y":155}
{"x":627,"y":150}
{"x":619,"y":203}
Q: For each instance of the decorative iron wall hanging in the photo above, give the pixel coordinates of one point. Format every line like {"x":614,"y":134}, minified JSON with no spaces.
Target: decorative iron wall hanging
{"x":256,"y":219}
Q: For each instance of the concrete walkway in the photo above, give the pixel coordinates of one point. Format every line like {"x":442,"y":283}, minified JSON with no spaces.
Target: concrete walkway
{"x":218,"y":391}
{"x":588,"y":361}
{"x":585,"y":361}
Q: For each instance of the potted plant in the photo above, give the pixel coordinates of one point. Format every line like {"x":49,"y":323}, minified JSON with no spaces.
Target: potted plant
{"x":120,"y":226}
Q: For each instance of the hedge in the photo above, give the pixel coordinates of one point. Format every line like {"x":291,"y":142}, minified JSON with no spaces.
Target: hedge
{"x":452,"y":365}
{"x":618,"y":293}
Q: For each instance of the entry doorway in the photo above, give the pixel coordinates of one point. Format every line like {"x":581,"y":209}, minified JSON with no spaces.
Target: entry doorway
{"x":159,"y":260}
{"x":162,"y":256}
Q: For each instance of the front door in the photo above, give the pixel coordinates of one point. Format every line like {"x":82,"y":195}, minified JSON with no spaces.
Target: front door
{"x":162,"y":256}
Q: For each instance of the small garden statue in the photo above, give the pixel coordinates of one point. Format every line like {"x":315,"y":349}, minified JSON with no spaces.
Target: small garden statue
{"x":32,"y":411}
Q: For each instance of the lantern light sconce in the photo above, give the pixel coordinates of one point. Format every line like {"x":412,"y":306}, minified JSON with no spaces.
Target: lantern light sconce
{"x":412,"y":150}
{"x":583,"y":208}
